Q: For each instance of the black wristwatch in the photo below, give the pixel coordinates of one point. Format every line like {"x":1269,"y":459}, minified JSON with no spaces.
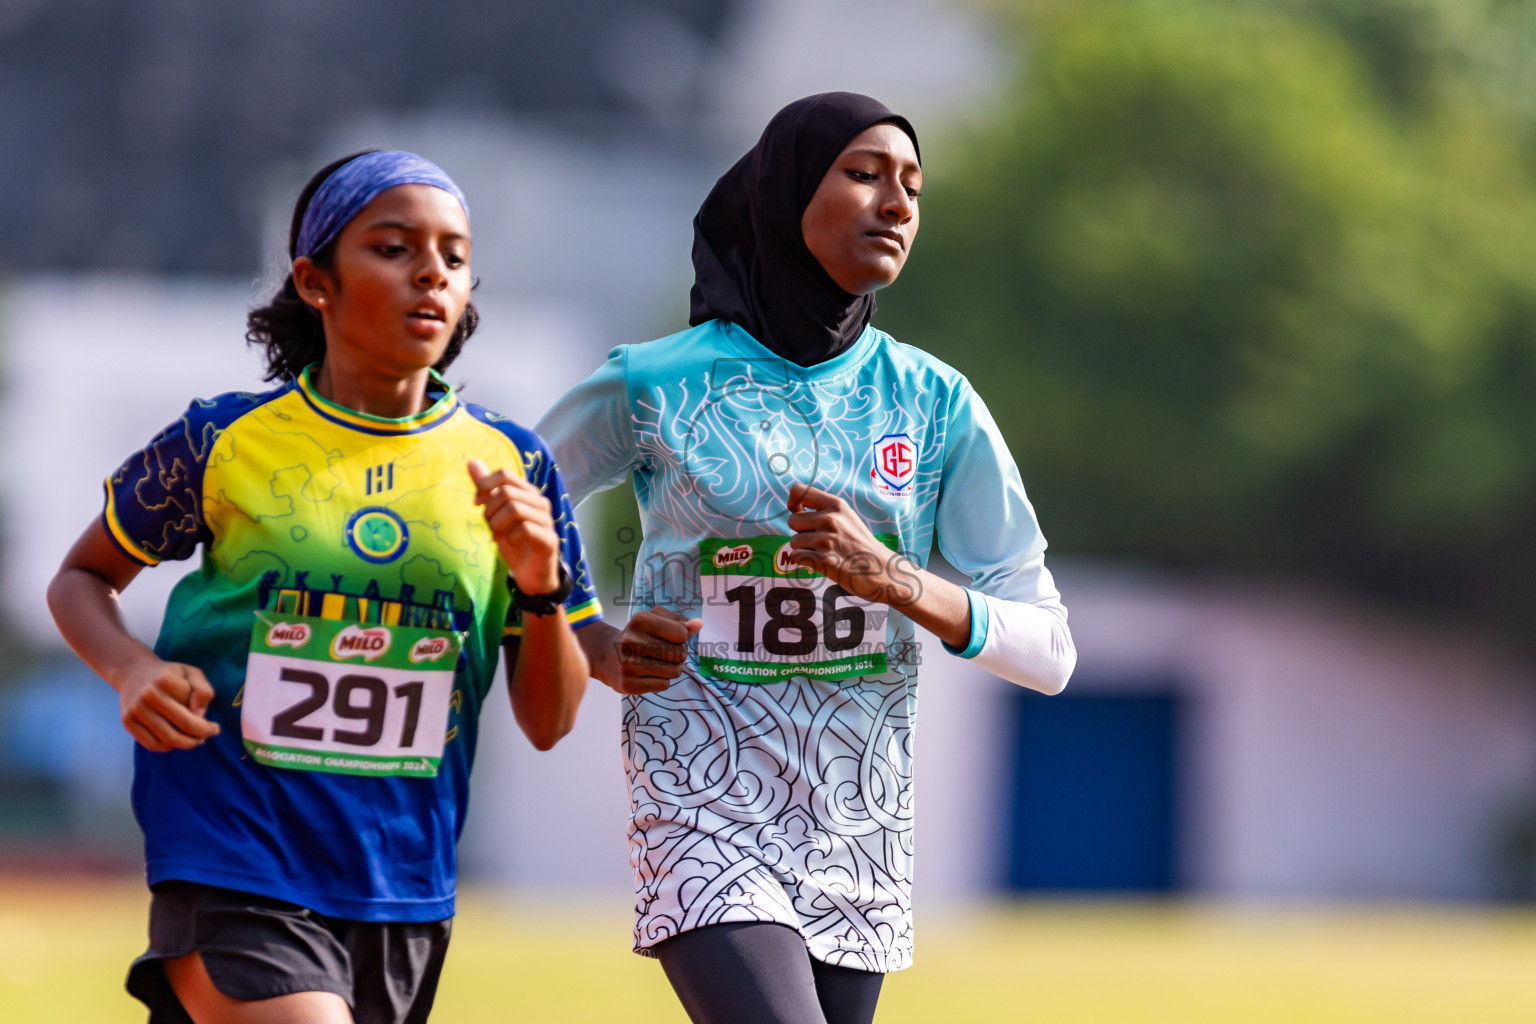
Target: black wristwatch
{"x":544,"y":604}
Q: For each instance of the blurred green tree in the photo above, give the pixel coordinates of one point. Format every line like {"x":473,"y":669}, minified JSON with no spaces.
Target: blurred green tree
{"x":1253,"y":286}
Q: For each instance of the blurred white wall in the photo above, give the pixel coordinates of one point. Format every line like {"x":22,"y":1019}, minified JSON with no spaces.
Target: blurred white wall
{"x":95,"y":367}
{"x":1333,"y":751}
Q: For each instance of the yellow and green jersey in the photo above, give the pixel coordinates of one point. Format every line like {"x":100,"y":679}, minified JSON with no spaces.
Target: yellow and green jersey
{"x":344,"y":553}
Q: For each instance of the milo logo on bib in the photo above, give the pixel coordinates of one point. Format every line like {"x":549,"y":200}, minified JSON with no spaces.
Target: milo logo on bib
{"x":430,"y":648}
{"x":781,"y":563}
{"x":726,"y":557}
{"x":355,"y":641}
{"x":768,"y":619}
{"x":288,"y":634}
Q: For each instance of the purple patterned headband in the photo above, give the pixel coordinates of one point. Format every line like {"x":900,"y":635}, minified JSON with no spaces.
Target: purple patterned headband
{"x":357,"y":183}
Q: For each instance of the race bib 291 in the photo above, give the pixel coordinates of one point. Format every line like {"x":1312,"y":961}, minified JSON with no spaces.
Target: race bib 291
{"x":324,"y":695}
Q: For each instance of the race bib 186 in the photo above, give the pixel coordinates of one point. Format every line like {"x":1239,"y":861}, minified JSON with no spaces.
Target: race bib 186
{"x":323,"y":695}
{"x":766,"y":619}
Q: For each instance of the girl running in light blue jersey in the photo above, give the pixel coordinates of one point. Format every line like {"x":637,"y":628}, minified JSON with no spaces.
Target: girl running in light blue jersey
{"x":794,"y":466}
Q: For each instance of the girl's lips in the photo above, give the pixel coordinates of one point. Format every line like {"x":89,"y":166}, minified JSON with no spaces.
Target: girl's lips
{"x":424,"y":326}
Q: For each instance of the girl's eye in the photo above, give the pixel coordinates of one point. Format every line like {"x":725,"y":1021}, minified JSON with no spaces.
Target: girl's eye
{"x":389,"y":250}
{"x":454,"y":260}
{"x":914,"y":193}
{"x":864,"y":176}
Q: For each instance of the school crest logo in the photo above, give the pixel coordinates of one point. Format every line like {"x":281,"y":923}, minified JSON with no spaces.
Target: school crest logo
{"x":377,"y":534}
{"x":895,"y":465}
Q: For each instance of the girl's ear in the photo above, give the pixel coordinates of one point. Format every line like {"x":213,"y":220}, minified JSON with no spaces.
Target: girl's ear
{"x":313,"y":284}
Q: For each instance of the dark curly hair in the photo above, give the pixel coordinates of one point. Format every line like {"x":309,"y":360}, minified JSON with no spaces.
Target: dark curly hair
{"x":290,"y":330}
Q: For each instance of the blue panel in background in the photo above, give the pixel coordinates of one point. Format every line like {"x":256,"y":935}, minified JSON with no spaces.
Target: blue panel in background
{"x":1095,"y":785}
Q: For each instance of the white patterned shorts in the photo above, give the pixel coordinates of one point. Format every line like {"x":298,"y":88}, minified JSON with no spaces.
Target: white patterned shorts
{"x":787,"y":803}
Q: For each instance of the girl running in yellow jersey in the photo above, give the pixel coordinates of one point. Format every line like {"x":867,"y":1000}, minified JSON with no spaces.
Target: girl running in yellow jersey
{"x":307,"y":719}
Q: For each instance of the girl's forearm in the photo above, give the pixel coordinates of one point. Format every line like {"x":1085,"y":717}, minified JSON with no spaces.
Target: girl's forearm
{"x":549,"y":679}
{"x":934,"y":603}
{"x":86,"y":609}
{"x":599,"y":642}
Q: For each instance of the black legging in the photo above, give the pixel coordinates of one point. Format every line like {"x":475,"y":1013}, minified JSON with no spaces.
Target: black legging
{"x":753,"y":972}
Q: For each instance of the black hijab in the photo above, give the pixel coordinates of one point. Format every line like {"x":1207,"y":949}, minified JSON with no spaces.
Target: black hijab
{"x":750,"y":262}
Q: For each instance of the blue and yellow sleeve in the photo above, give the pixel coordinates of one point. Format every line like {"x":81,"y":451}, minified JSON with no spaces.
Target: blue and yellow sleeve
{"x":153,"y":506}
{"x":153,"y":509}
{"x":582,"y":608}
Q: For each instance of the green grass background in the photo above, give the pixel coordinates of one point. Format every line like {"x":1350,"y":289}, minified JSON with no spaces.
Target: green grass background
{"x":64,"y":947}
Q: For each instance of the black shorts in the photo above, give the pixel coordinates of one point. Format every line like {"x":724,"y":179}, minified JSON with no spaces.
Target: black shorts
{"x":259,"y":948}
